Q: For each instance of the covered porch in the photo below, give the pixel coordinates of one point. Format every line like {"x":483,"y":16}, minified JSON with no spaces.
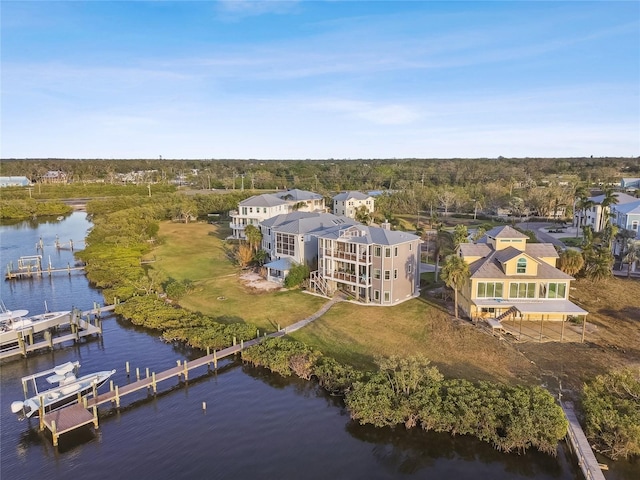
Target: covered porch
{"x":537,"y":320}
{"x":278,"y":270}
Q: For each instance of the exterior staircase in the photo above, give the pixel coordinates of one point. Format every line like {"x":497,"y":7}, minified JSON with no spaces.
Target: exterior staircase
{"x":504,"y":315}
{"x":319,"y":284}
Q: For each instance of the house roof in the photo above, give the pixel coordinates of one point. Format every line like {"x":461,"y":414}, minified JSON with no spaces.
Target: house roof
{"x":534,"y":306}
{"x":622,"y":198}
{"x":264,"y":200}
{"x":282,"y":265}
{"x":505,"y":231}
{"x":305,"y":222}
{"x":298,"y":195}
{"x":489,"y":267}
{"x":627,"y":208}
{"x":541,"y":250}
{"x":510,"y":253}
{"x":475,"y":249}
{"x":369,"y":235}
{"x":343,"y":196}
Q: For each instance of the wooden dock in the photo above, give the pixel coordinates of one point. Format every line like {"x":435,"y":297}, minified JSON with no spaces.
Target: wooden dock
{"x":81,"y":325}
{"x":74,"y":420}
{"x":31,"y":267}
{"x":580,"y":445}
{"x":68,"y":419}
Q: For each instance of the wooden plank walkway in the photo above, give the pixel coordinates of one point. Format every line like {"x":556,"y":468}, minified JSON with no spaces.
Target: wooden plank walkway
{"x":74,"y":419}
{"x":580,"y":445}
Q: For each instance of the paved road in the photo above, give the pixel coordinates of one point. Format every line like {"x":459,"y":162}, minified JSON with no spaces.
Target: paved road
{"x":543,"y":236}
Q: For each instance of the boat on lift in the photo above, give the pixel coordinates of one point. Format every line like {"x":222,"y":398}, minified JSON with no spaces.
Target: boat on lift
{"x":16,"y":324}
{"x":68,"y":389}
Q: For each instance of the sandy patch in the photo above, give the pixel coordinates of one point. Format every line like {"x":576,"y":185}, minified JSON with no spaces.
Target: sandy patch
{"x":255,"y":281}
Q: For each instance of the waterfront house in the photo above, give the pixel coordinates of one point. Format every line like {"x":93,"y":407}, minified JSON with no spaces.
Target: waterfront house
{"x":258,"y":208}
{"x":54,"y":176}
{"x":346,"y":204}
{"x":513,"y":278}
{"x":292,"y":238}
{"x":373,"y":265}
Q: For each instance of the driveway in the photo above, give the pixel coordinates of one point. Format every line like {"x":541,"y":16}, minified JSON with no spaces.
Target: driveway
{"x":540,"y":230}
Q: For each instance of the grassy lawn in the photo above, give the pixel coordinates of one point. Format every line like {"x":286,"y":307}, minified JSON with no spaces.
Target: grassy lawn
{"x":355,"y":334}
{"x":571,"y":241}
{"x":198,"y":252}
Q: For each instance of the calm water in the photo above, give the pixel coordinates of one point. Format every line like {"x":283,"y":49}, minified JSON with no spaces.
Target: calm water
{"x":256,"y":425}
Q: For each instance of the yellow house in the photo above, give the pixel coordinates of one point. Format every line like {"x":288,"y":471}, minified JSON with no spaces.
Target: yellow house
{"x":511,"y":278}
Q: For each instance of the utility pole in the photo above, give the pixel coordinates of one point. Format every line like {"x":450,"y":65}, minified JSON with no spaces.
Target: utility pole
{"x":242,"y":187}
{"x":252,"y":182}
{"x":149,"y":187}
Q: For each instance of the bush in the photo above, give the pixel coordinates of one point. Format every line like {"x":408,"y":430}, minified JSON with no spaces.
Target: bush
{"x":282,"y":356}
{"x":297,"y":275}
{"x":612,"y":407}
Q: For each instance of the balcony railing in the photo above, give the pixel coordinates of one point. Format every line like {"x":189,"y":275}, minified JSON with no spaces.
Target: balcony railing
{"x":351,"y":257}
{"x":348,"y":277}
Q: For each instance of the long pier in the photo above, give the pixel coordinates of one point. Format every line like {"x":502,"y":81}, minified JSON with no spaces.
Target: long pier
{"x":580,"y":445}
{"x":69,"y":418}
{"x":81,"y":326}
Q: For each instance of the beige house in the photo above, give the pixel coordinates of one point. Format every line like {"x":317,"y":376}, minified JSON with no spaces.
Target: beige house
{"x":513,"y":279}
{"x":346,"y":204}
{"x":373,"y":265}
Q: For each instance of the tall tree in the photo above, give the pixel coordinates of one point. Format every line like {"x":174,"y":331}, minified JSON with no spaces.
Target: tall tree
{"x":455,"y":273}
{"x":254,"y":237}
{"x":609,"y":199}
{"x":443,"y":246}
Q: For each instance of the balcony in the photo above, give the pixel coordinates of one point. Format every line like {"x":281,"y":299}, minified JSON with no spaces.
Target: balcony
{"x":351,"y":257}
{"x":348,"y":277}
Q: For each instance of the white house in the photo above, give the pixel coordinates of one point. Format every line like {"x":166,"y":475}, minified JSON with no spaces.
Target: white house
{"x":292,"y":239}
{"x":14,"y":182}
{"x":254,"y":210}
{"x":345,"y":204}
{"x":592,"y":217}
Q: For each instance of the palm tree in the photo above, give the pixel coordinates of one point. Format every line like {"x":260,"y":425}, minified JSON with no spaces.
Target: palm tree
{"x":571,"y":262}
{"x":583,"y":204}
{"x":443,"y":245}
{"x":632,"y":255}
{"x":609,"y":199}
{"x":254,"y":237}
{"x":455,"y":273}
{"x":598,"y":263}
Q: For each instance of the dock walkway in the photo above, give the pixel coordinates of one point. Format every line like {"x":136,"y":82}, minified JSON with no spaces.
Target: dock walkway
{"x":151,"y":380}
{"x":580,"y":445}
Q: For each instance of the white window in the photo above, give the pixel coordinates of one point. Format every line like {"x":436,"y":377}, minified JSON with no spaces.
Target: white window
{"x":387,"y":252}
{"x":489,"y":290}
{"x":395,"y":273}
{"x":285,"y":244}
{"x":634,"y":225}
{"x":387,"y":297}
{"x":376,"y":273}
{"x":522,"y":290}
{"x":521,"y":266}
{"x":376,"y":295}
{"x":387,"y":275}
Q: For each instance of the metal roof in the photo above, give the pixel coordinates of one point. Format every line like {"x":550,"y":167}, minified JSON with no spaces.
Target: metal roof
{"x":351,"y":194}
{"x":505,"y":231}
{"x":544,"y":306}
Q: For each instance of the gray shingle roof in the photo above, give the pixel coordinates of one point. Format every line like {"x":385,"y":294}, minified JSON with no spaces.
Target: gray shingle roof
{"x":490,"y":268}
{"x":505,"y":231}
{"x":343,"y":196}
{"x":475,"y":249}
{"x":305,"y":222}
{"x":541,"y":250}
{"x":371,"y":235}
{"x":298,"y":195}
{"x":264,"y":200}
{"x":507,"y":254}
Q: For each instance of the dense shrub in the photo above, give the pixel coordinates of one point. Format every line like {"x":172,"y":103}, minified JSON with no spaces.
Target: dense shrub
{"x":612,"y":408}
{"x":28,"y":208}
{"x":282,"y":356}
{"x":297,"y":275}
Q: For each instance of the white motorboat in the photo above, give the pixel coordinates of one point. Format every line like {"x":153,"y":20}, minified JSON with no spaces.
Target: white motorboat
{"x":68,"y":390}
{"x":16,"y":323}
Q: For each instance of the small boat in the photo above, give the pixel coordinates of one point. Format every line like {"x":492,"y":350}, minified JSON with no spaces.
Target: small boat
{"x":68,"y":390}
{"x":15,"y":323}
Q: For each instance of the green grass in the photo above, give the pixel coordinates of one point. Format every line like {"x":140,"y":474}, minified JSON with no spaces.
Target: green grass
{"x":571,"y":241}
{"x":197,"y":252}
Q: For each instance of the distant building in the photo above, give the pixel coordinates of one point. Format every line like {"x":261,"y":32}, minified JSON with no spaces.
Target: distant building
{"x":346,"y":204}
{"x":630,"y":184}
{"x":592,"y":216}
{"x":54,"y":176}
{"x":254,"y":210}
{"x":14,"y":182}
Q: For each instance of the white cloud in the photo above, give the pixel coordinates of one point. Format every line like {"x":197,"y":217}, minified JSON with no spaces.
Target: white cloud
{"x":380,"y":114}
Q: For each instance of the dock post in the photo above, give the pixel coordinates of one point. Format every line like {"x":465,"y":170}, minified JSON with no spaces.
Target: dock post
{"x":54,"y":433}
{"x":22,"y":345}
{"x":241,"y":344}
{"x":41,"y":412}
{"x":234,"y":341}
{"x":147,"y":372}
{"x":215,"y":360}
{"x":126,"y":366}
{"x":153,"y":382}
{"x":95,"y":389}
{"x":257,"y":333}
{"x":111,"y":385}
{"x":31,"y":336}
{"x":186,"y":371}
{"x":25,"y":389}
{"x":48,"y":338}
{"x":117,"y":398}
{"x":137,"y":373}
{"x":95,"y":416}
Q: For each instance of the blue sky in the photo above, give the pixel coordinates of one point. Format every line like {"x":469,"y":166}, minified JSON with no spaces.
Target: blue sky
{"x":265,"y":79}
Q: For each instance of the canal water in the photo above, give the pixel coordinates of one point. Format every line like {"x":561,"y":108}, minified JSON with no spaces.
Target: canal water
{"x":256,"y":425}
